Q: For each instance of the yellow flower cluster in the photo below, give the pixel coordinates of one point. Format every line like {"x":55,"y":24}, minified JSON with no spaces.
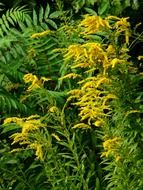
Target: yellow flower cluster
{"x":28,"y":125}
{"x":93,"y":24}
{"x":93,"y":97}
{"x":122,"y":25}
{"x":93,"y":101}
{"x":35,"y":82}
{"x":40,"y":34}
{"x":56,"y":136}
{"x":95,"y":56}
{"x":70,"y":75}
{"x":111,"y":147}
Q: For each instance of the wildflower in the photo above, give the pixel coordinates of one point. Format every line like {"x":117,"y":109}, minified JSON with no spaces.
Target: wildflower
{"x":31,"y":125}
{"x":94,"y":24}
{"x":29,"y":78}
{"x":81,"y":125}
{"x":117,"y":158}
{"x":102,"y":80}
{"x":115,"y":61}
{"x":19,"y":138}
{"x":33,"y":117}
{"x":56,"y":137}
{"x":54,"y":109}
{"x":40,"y":34}
{"x":44,"y":79}
{"x":27,"y":124}
{"x":140,"y":57}
{"x":13,"y":120}
{"x":80,"y":65}
{"x":112,"y":18}
{"x":109,"y":96}
{"x":70,"y":75}
{"x":38,"y":148}
{"x":35,"y":82}
{"x":111,"y":50}
{"x":123,"y":25}
{"x":99,"y":123}
{"x":131,"y":111}
{"x":74,"y":51}
{"x":111,"y":147}
{"x":76,"y":93}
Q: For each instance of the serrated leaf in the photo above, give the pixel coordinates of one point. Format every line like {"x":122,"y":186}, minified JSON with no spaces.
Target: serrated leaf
{"x":35,"y":22}
{"x":12,"y":162}
{"x":9,"y":127}
{"x":41,"y":14}
{"x":90,"y":11}
{"x":103,"y":8}
{"x":52,"y":23}
{"x":55,"y":14}
{"x":5,"y":21}
{"x":47,"y":12}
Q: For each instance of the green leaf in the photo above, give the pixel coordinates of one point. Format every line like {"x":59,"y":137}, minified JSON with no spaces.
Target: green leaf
{"x":41,"y":14}
{"x":10,"y":127}
{"x":52,"y":23}
{"x":47,"y":12}
{"x":90,"y":11}
{"x":103,"y":7}
{"x":56,"y":14}
{"x":35,"y":18}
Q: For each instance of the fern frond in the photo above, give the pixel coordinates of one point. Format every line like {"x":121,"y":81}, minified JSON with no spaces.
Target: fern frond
{"x":9,"y":103}
{"x":12,"y":17}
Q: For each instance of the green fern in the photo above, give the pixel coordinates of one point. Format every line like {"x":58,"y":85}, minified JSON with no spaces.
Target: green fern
{"x":12,"y":17}
{"x":9,"y":103}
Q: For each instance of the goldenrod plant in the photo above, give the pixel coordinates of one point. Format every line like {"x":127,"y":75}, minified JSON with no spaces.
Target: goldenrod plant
{"x":70,"y":102}
{"x":106,"y":96}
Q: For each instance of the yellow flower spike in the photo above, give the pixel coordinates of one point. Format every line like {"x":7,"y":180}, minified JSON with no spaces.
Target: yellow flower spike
{"x":116,"y":61}
{"x":140,"y":57}
{"x":33,"y":86}
{"x":44,"y":79}
{"x":80,"y":65}
{"x":35,"y":82}
{"x":19,"y":137}
{"x":102,"y":80}
{"x":69,"y":76}
{"x":108,"y":97}
{"x":99,"y":123}
{"x":75,"y":92}
{"x":117,"y":158}
{"x":29,"y":77}
{"x":122,"y":24}
{"x":13,"y":120}
{"x":38,"y":148}
{"x":31,"y":125}
{"x":111,"y":50}
{"x":54,"y":109}
{"x":40,"y":34}
{"x":127,"y":36}
{"x":131,"y":112}
{"x":90,"y":84}
{"x":113,"y":18}
{"x":81,"y":125}
{"x":33,"y":117}
{"x":74,"y":51}
{"x":94,"y":24}
{"x":56,"y":137}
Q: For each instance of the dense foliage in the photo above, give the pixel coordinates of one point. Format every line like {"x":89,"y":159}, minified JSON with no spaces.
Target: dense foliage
{"x":70,"y":96}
